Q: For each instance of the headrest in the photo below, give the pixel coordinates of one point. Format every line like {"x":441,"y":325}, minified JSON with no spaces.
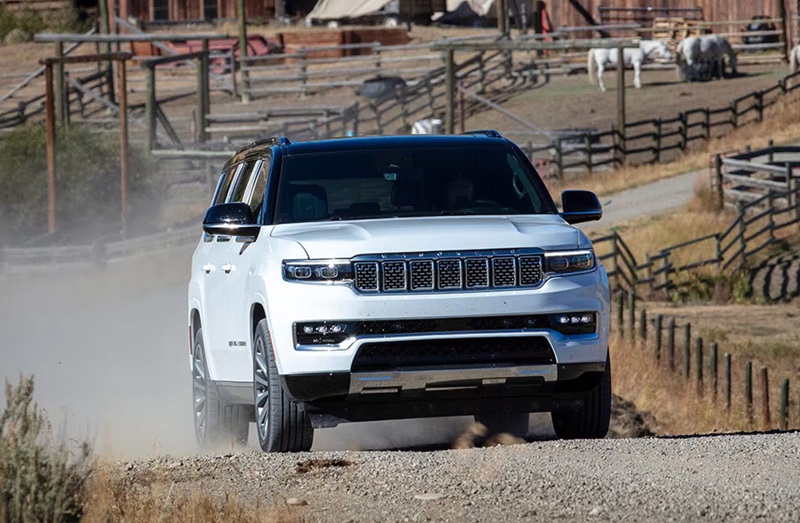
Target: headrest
{"x":406,"y":192}
{"x":309,"y":203}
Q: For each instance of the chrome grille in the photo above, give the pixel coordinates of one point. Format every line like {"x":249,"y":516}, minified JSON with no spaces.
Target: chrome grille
{"x":530,"y":270}
{"x":366,"y":276}
{"x":421,"y":275}
{"x":421,"y":272}
{"x":504,"y":272}
{"x":394,"y":276}
{"x":477,"y":273}
{"x":449,"y":274}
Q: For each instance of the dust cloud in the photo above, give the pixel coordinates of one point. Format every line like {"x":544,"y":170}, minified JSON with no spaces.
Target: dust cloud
{"x":109,"y":353}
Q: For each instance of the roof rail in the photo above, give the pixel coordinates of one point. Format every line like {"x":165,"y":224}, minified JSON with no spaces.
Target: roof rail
{"x":266,"y":141}
{"x":491,"y":133}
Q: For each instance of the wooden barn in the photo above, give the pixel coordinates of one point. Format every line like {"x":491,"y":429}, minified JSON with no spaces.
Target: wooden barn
{"x":194,"y":10}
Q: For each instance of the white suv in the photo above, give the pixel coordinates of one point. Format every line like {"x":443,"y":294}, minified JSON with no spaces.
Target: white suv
{"x":394,"y":277}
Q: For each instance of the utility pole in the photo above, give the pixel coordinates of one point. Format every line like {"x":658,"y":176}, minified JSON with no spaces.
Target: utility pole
{"x":242,"y":15}
{"x":502,"y":17}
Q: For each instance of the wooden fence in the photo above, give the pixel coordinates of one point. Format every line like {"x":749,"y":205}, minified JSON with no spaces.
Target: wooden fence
{"x":758,"y":225}
{"x":707,"y":373}
{"x":651,"y":140}
{"x":98,"y":254}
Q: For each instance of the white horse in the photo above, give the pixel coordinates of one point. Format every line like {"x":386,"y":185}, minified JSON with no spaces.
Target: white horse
{"x":648,"y":51}
{"x":794,"y":58}
{"x":710,"y":48}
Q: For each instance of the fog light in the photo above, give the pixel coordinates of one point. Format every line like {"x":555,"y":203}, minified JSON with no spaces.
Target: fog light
{"x":336,"y":328}
{"x":563,"y":320}
{"x":576,"y":323}
{"x":308,"y":329}
{"x":322,"y":333}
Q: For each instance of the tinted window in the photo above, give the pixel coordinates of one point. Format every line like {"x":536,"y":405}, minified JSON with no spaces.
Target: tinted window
{"x":241,"y":182}
{"x":256,"y":196}
{"x":388,"y":183}
{"x":225,"y":182}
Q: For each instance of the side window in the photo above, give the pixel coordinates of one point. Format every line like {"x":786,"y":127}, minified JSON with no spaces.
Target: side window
{"x":225,"y":183}
{"x":239,"y":187}
{"x":258,"y":186}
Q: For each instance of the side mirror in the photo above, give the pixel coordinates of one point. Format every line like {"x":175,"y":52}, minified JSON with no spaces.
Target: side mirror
{"x":231,"y":219}
{"x":580,"y":206}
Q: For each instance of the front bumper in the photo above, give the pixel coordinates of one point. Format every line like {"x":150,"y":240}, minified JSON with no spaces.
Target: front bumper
{"x":309,"y":303}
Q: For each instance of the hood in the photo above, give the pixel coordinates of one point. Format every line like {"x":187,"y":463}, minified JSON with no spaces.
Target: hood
{"x":441,"y":233}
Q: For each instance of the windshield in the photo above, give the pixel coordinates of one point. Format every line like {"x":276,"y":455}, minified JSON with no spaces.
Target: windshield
{"x":408,"y":182}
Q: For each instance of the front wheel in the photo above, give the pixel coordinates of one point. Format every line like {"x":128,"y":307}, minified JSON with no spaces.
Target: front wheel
{"x":281,"y":424}
{"x":591,"y":418}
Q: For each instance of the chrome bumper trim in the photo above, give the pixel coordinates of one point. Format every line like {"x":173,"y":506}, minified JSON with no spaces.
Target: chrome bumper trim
{"x":443,"y":379}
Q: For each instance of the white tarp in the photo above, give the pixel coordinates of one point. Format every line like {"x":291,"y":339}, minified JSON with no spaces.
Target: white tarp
{"x":479,"y":7}
{"x":336,"y":9}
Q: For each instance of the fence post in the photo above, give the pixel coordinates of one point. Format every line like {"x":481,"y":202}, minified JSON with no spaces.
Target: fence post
{"x":770,"y":217}
{"x":200,"y":113}
{"x":698,"y":371}
{"x":759,"y":106}
{"x":718,"y":251}
{"x":559,"y":158}
{"x":734,"y":114}
{"x":649,"y":272}
{"x":687,"y":348}
{"x":657,"y":335}
{"x":742,"y":231}
{"x":707,"y":113}
{"x":150,"y":107}
{"x":748,"y":390}
{"x":794,"y":197}
{"x":765,"y":414}
{"x":665,"y":271}
{"x":587,"y":143}
{"x":770,"y":146}
{"x":682,"y":129}
{"x":784,"y":413}
{"x":713,"y":370}
{"x":727,"y":381}
{"x":657,"y":148}
{"x":717,"y":182}
{"x":643,"y":327}
{"x":615,"y":262}
{"x":620,"y":313}
{"x":671,"y":343}
{"x":632,"y":313}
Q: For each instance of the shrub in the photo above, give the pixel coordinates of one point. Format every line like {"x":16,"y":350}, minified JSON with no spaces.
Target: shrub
{"x":27,"y":22}
{"x":39,"y":479}
{"x":87,"y":180}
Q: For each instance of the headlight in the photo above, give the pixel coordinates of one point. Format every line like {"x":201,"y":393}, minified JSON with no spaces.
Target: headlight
{"x":318,"y":271}
{"x":566,"y":262}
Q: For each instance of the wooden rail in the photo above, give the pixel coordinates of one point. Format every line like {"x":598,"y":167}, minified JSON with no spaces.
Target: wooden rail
{"x":765,"y":212}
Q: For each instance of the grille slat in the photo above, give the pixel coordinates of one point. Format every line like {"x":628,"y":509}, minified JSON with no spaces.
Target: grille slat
{"x":366,"y":276}
{"x":448,"y":272}
{"x":504,"y":272}
{"x":394,"y":276}
{"x":421,"y":275}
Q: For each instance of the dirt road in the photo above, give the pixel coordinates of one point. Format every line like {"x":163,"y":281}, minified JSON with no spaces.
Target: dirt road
{"x":710,"y":478}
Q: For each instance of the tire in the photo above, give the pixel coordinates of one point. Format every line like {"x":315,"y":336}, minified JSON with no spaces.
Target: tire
{"x":281,"y":424}
{"x":391,"y":22}
{"x":215,"y":423}
{"x":590,"y":420}
{"x":514,"y":423}
{"x":333,"y":24}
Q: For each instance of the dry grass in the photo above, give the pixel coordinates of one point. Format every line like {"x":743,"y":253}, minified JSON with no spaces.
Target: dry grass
{"x":781,"y":124}
{"x":112,"y":499}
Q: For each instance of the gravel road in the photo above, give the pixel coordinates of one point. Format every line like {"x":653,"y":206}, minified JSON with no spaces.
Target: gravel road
{"x":707,"y":478}
{"x":648,"y":200}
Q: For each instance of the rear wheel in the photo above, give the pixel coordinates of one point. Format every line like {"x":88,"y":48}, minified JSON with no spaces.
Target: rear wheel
{"x":282,"y":424}
{"x":214,"y":421}
{"x":591,"y":418}
{"x":391,"y":22}
{"x":514,"y":423}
